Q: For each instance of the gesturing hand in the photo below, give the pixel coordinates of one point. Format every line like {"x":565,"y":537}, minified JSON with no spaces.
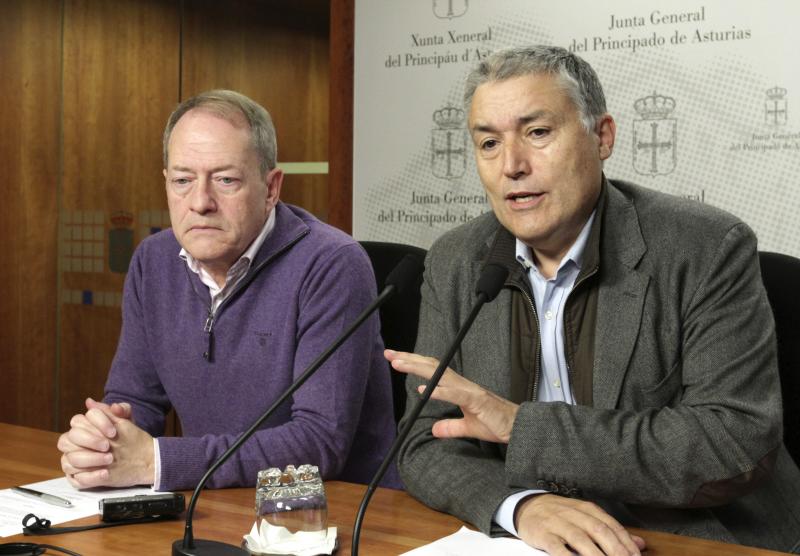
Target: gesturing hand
{"x":487,"y":416}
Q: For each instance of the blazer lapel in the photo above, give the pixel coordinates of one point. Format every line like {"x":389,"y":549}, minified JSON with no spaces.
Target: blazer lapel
{"x":495,"y":349}
{"x":620,"y":298}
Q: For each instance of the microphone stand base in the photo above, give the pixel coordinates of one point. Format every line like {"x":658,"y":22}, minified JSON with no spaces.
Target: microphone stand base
{"x":207,"y":548}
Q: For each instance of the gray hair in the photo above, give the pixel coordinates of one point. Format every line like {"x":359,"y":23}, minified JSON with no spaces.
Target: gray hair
{"x":576,"y":76}
{"x":229,"y":105}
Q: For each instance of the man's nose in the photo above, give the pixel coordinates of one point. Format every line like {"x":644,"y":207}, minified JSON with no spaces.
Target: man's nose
{"x":202,"y":197}
{"x":515,"y":160}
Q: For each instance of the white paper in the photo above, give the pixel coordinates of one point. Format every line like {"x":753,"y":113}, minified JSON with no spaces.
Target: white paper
{"x":465,"y":542}
{"x":14,"y":506}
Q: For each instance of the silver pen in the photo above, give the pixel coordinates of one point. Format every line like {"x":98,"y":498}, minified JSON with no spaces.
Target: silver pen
{"x":43,"y":496}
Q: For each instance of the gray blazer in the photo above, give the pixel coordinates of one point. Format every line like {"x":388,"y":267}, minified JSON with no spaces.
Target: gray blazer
{"x":684,"y":434}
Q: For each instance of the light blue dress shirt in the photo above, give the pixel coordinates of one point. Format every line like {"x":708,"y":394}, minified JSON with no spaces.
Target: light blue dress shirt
{"x":550,"y":297}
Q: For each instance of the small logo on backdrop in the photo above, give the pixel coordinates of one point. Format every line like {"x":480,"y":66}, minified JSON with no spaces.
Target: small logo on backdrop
{"x":776,"y":111}
{"x":449,"y":143}
{"x":448,"y":9}
{"x":120,"y":242}
{"x":654,"y":136}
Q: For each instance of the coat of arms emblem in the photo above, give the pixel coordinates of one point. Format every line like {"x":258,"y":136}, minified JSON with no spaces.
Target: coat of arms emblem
{"x":654,"y":136}
{"x":448,"y":9}
{"x":120,"y":242}
{"x":775,"y":107}
{"x":449,"y":143}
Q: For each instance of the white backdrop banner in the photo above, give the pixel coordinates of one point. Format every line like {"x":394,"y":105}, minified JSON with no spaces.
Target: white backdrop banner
{"x":706,"y":95}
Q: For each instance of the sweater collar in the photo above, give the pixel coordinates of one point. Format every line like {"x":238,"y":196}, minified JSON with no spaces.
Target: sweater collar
{"x":290,"y":227}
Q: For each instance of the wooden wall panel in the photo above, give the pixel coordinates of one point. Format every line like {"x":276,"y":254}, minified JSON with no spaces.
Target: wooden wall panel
{"x":30,"y":66}
{"x":121,"y":80}
{"x":340,"y":197}
{"x":275,"y":52}
{"x":87,"y":86}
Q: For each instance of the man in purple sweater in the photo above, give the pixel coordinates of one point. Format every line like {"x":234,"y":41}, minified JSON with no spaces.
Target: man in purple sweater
{"x":222,"y":312}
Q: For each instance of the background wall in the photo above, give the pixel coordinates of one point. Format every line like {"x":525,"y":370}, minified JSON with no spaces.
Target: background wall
{"x":704,"y":93}
{"x":87,"y":87}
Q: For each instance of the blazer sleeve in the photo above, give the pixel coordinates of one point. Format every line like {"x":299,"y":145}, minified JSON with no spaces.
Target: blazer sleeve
{"x":707,"y":433}
{"x":462,"y":477}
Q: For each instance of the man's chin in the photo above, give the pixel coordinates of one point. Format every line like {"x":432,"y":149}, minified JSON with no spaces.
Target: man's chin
{"x":203,"y":251}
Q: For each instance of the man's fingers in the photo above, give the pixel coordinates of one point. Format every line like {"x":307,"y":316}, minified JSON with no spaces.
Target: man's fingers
{"x":79,"y":438}
{"x":69,"y":469}
{"x":611,"y":542}
{"x":64,"y":444}
{"x":391,"y":355}
{"x":409,"y":363}
{"x":449,"y":428}
{"x":552,"y":522}
{"x":86,"y":459}
{"x":609,"y":528}
{"x":103,"y":420}
{"x":94,"y":421}
{"x":120,"y":410}
{"x":89,"y":479}
{"x":590,"y":525}
{"x":554,"y":546}
{"x":591,"y":540}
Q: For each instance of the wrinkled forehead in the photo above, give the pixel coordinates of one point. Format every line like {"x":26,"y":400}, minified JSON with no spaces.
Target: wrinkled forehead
{"x":528,"y":93}
{"x":230,"y":114}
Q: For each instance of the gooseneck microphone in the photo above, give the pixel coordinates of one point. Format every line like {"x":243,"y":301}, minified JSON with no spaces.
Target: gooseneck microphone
{"x":489,"y":285}
{"x":401,"y":277}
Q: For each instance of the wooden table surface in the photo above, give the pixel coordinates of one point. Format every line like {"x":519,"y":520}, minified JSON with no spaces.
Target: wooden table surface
{"x":395,"y":522}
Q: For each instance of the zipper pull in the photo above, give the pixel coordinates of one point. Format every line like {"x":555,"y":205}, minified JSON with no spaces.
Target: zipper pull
{"x":207,"y":328}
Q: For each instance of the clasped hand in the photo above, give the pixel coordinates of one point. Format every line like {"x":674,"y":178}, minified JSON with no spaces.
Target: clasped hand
{"x":104,"y":448}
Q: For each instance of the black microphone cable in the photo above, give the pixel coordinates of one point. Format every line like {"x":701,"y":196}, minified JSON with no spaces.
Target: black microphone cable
{"x":489,"y":285}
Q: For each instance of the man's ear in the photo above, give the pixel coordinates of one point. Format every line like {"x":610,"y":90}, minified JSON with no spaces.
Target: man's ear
{"x":274,"y":182}
{"x":606,"y":134}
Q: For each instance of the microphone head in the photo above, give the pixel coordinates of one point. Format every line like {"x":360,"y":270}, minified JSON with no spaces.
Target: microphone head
{"x":405,"y":274}
{"x":491,"y":281}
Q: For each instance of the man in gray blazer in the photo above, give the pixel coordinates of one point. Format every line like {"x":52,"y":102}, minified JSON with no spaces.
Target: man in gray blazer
{"x":626,"y":373}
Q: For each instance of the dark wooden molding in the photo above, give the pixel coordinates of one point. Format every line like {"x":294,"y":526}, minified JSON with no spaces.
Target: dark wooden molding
{"x":340,"y":151}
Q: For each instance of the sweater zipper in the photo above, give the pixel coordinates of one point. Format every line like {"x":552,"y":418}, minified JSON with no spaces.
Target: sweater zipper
{"x":207,"y":328}
{"x":211,"y":315}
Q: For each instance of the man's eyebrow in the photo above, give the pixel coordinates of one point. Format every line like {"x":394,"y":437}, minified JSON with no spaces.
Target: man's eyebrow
{"x":180,"y":168}
{"x":224,"y":168}
{"x":521,"y":121}
{"x":534,"y":116}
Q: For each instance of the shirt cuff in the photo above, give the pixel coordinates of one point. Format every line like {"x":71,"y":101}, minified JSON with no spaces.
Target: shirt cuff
{"x":504,"y":515}
{"x":156,"y":465}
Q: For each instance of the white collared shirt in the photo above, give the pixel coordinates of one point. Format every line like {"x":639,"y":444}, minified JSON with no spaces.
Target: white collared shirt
{"x":236,"y":272}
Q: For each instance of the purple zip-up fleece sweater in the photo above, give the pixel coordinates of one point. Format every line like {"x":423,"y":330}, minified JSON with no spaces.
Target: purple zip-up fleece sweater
{"x":308,"y":283}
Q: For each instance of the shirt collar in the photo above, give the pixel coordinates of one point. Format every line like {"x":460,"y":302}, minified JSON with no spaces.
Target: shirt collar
{"x":524,"y":254}
{"x":247,"y":257}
